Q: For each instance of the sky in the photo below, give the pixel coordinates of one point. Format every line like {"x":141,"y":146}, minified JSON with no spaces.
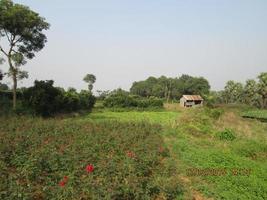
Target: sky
{"x":122,"y":41}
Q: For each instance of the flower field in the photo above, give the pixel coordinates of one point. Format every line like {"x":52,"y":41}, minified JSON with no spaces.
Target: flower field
{"x":76,"y":159}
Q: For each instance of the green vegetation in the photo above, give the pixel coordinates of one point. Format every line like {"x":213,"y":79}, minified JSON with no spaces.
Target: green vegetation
{"x":82,"y":159}
{"x":252,"y":93}
{"x":154,"y":117}
{"x":23,"y":31}
{"x":129,"y":145}
{"x":257,"y":114}
{"x":227,"y":134}
{"x":124,"y":100}
{"x":135,"y":155}
{"x":170,"y":88}
{"x":43,"y":99}
{"x":215,"y":139}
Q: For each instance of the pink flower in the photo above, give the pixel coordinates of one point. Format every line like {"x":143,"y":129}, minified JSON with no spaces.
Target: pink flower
{"x":89,"y":168}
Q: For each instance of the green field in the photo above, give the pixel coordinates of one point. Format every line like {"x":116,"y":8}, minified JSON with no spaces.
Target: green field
{"x":256,"y":114}
{"x":136,"y":155}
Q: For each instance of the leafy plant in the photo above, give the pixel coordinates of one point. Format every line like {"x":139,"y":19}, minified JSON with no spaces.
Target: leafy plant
{"x":227,"y":134}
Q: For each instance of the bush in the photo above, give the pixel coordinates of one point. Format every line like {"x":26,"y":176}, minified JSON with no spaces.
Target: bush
{"x":214,"y":113}
{"x":46,"y":100}
{"x":43,"y":98}
{"x":122,"y":101}
{"x":87,"y":100}
{"x":132,"y":101}
{"x":227,"y":134}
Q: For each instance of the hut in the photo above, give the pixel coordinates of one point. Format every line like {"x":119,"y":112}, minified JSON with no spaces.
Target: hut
{"x":191,"y":101}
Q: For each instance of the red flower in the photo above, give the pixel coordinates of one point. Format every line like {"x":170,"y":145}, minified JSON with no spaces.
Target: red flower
{"x":89,"y":168}
{"x":130,"y":154}
{"x":63,"y":182}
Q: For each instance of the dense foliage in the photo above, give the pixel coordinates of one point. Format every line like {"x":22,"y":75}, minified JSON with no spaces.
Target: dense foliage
{"x":170,"y":88}
{"x":76,"y":159}
{"x":124,"y":100}
{"x":46,"y":100}
{"x":253,"y":92}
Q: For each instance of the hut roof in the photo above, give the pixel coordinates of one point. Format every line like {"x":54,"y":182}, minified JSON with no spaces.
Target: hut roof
{"x":193,"y":97}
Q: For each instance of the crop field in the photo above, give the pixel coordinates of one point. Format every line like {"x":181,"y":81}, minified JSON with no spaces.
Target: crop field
{"x":257,"y":114}
{"x":185,"y":154}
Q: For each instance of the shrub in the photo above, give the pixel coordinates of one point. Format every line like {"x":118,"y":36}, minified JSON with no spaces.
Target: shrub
{"x":120,"y":100}
{"x":46,"y":100}
{"x":87,"y":100}
{"x":70,"y":101}
{"x":43,"y":98}
{"x":227,"y":134}
{"x":129,"y":101}
{"x":214,"y":113}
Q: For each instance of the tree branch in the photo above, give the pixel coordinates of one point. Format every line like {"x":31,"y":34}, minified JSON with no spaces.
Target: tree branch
{"x":2,"y":50}
{"x":7,"y":36}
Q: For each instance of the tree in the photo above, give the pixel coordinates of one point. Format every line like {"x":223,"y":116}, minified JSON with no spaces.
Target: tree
{"x":262,"y":88}
{"x":102,"y":94}
{"x":90,"y":79}
{"x":251,"y":96}
{"x":233,"y":92}
{"x":170,"y":88}
{"x":23,"y":30}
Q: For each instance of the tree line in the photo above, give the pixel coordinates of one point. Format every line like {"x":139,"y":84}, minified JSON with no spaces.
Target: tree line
{"x":253,"y":92}
{"x":171,"y":88}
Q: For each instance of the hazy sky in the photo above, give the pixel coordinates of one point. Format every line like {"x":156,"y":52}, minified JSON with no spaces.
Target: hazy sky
{"x":121,"y":41}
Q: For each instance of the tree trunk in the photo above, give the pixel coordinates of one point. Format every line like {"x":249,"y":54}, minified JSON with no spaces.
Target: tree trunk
{"x":168,"y":96}
{"x":14,"y":77}
{"x":14,"y":91}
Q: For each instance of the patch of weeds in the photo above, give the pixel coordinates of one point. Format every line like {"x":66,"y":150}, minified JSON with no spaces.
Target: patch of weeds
{"x":214,"y":113}
{"x":251,"y":149}
{"x":227,"y":134}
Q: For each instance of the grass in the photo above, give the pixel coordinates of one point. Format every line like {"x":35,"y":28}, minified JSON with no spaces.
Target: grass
{"x":211,"y":139}
{"x":197,"y":143}
{"x":156,"y":117}
{"x":139,"y":155}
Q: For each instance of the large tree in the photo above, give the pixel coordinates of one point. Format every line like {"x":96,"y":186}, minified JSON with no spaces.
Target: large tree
{"x":251,"y":96}
{"x":90,"y":79}
{"x":233,"y":92}
{"x":22,"y":29}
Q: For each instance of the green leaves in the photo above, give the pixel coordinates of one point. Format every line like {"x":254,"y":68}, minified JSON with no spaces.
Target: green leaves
{"x":23,"y":28}
{"x":170,"y":88}
{"x":90,"y":79}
